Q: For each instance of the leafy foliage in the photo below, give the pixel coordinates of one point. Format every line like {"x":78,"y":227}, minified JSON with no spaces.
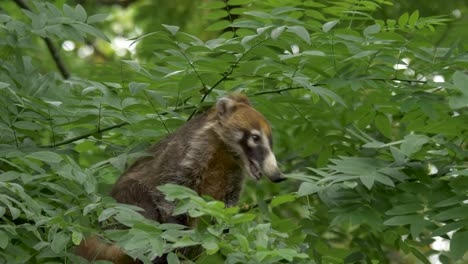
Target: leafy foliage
{"x":369,"y":116}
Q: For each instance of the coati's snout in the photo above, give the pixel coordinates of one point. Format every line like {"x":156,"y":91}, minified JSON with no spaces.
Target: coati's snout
{"x":262,"y":160}
{"x":250,"y":137}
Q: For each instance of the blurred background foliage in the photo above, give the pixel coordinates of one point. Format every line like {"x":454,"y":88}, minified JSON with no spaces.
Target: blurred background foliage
{"x":367,"y":99}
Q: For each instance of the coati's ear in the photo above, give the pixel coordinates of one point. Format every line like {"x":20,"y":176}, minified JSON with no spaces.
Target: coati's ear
{"x":225,"y":106}
{"x":238,"y":97}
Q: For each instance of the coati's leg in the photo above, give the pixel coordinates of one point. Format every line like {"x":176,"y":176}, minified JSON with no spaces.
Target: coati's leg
{"x":233,"y":192}
{"x":166,"y":208}
{"x":130,"y":191}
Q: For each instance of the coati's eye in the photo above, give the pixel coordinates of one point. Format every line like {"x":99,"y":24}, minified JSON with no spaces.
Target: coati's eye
{"x":256,"y":138}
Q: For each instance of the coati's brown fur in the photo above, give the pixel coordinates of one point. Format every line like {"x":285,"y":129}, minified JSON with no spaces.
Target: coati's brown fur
{"x":209,"y":154}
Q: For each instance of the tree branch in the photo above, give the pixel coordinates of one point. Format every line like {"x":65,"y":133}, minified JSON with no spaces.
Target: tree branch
{"x":97,"y":130}
{"x":85,"y":135}
{"x":54,"y":52}
{"x":316,"y":84}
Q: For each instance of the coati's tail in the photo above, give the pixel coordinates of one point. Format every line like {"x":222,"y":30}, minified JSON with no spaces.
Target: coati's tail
{"x":93,"y":248}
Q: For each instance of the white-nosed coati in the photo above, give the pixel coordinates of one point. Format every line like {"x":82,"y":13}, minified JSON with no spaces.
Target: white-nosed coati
{"x":210,"y":154}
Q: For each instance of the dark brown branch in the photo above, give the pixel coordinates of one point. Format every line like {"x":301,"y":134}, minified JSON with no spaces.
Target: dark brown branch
{"x":394,"y":80}
{"x":279,"y":90}
{"x":54,"y":52}
{"x":318,"y":84}
{"x":96,"y":131}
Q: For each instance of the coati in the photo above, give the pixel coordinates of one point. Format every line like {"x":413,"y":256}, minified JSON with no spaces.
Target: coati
{"x":210,"y":154}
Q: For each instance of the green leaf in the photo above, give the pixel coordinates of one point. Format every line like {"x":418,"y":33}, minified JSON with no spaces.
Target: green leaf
{"x":80,"y":13}
{"x":82,"y":27}
{"x":275,"y":33}
{"x":217,"y":14}
{"x":383,"y":124}
{"x":397,"y":154}
{"x":77,"y":237}
{"x":68,"y":11}
{"x":184,"y":242}
{"x":285,"y":198}
{"x":419,"y":255}
{"x":220,"y":25}
{"x":308,"y":188}
{"x":460,"y":80}
{"x":59,"y":242}
{"x":4,"y":85}
{"x":329,"y":25}
{"x":405,"y":209}
{"x":403,"y":220}
{"x":9,"y":176}
{"x":301,"y":32}
{"x":96,"y":18}
{"x":443,"y":230}
{"x":210,"y":244}
{"x":241,"y":218}
{"x":373,"y":29}
{"x":133,"y":64}
{"x":412,"y":144}
{"x":3,"y":19}
{"x":243,"y":242}
{"x":108,"y":212}
{"x":313,"y":53}
{"x":357,"y":166}
{"x":367,"y":180}
{"x":15,"y":212}
{"x":459,"y":212}
{"x":413,"y":19}
{"x":27,"y":125}
{"x":289,"y":254}
{"x":90,"y":207}
{"x":172,"y":29}
{"x":384,"y":179}
{"x":4,"y":239}
{"x":46,"y":156}
{"x":173,"y":191}
{"x":157,"y":245}
{"x":458,"y":101}
{"x":458,"y":244}
{"x":403,"y":20}
{"x":362,"y":54}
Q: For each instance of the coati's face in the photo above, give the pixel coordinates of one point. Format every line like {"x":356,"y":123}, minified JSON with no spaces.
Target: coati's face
{"x":248,"y":133}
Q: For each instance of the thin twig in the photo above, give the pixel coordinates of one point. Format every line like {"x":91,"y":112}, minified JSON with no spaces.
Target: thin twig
{"x":86,"y":135}
{"x":157,"y":112}
{"x":318,"y":84}
{"x":225,"y":75}
{"x":54,"y":52}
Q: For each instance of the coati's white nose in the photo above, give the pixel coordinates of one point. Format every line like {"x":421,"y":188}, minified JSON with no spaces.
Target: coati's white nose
{"x":270,"y":168}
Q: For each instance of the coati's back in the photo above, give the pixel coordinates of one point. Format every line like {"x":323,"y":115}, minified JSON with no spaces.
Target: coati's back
{"x":209,"y":154}
{"x":137,"y":186}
